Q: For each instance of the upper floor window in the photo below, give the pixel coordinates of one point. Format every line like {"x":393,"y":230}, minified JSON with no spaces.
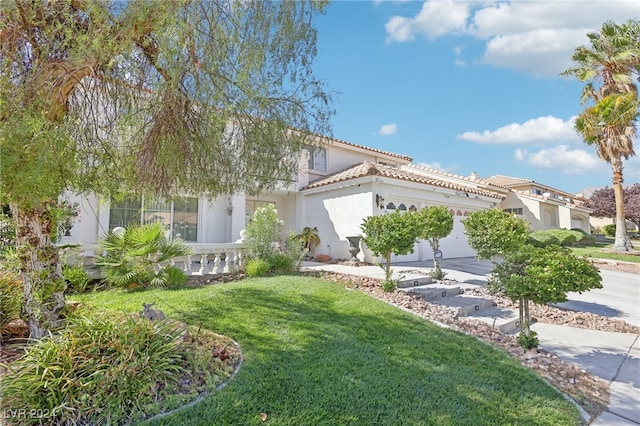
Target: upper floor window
{"x":317,"y":158}
{"x":514,"y":211}
{"x":180,"y":215}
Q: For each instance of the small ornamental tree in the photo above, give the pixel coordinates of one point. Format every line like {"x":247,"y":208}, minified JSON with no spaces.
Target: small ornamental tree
{"x":390,"y":233}
{"x":434,"y":223}
{"x":541,"y":275}
{"x":494,"y":232}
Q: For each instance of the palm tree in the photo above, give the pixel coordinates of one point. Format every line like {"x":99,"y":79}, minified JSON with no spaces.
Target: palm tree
{"x":609,"y":67}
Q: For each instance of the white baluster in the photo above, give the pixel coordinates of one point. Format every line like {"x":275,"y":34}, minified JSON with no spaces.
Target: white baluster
{"x":228,"y":261}
{"x":216,"y":262}
{"x":203,"y":263}
{"x":187,"y":266}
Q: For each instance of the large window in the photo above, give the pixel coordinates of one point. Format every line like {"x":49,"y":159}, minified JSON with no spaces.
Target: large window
{"x":179,"y":215}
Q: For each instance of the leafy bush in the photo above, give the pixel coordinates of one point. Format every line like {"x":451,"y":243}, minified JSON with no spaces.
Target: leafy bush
{"x":11,"y":297}
{"x":131,"y":257}
{"x":542,"y":239}
{"x":281,"y":263}
{"x":583,"y":237}
{"x":174,"y":277}
{"x":263,"y":233}
{"x":554,"y":237}
{"x":610,"y":230}
{"x":258,"y":267}
{"x":77,"y":278}
{"x":494,"y":232}
{"x":99,"y":370}
{"x":294,"y":249}
{"x":528,"y":340}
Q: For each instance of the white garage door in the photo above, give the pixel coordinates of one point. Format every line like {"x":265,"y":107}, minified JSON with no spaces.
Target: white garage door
{"x":453,"y":246}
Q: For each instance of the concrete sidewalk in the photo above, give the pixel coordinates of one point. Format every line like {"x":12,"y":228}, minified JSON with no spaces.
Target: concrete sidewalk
{"x":614,"y":357}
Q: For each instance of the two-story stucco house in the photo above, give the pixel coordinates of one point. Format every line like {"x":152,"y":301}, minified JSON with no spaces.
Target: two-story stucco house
{"x":337,"y":186}
{"x":543,"y":206}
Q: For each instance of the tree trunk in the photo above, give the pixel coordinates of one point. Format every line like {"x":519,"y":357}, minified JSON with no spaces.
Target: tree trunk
{"x":521,"y":314}
{"x":622,"y":241}
{"x":387,"y":267}
{"x":40,"y":268}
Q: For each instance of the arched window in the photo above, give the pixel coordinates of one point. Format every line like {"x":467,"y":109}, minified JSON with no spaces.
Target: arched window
{"x":402,"y":207}
{"x":413,"y":208}
{"x":391,"y":206}
{"x":458,"y":213}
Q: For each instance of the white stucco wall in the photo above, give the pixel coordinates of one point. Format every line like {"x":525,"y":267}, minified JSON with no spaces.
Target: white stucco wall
{"x":338,"y":214}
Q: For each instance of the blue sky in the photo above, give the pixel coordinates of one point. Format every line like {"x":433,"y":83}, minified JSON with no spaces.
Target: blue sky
{"x":467,"y":86}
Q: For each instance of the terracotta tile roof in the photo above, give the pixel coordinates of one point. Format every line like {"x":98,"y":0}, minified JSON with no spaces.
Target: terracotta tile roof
{"x":366,"y":148}
{"x":370,"y":169}
{"x":473,"y":179}
{"x":508,"y":181}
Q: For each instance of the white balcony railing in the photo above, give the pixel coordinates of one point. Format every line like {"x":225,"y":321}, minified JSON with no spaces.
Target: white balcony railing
{"x":206,"y":259}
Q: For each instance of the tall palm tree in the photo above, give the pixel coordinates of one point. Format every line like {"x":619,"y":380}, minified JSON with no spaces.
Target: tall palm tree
{"x":609,"y":66}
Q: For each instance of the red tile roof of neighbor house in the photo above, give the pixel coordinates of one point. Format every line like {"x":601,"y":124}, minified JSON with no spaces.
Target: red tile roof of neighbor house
{"x":370,"y":169}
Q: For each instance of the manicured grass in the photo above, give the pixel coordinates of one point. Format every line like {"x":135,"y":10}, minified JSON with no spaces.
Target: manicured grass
{"x":595,"y":250}
{"x":319,"y":354}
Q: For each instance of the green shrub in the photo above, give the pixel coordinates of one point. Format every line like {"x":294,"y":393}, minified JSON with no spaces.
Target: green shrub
{"x":263,"y":233}
{"x":100,"y":370}
{"x":131,"y":256}
{"x":258,"y":267}
{"x":77,"y":278}
{"x":11,"y":297}
{"x":389,"y":285}
{"x":583,"y":237}
{"x":553,"y":237}
{"x":174,"y":277}
{"x":295,"y":249}
{"x":610,"y":230}
{"x":280,"y":262}
{"x":542,"y":239}
{"x":528,"y":340}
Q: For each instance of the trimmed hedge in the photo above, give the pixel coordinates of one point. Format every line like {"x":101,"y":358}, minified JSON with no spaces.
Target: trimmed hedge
{"x":558,"y":237}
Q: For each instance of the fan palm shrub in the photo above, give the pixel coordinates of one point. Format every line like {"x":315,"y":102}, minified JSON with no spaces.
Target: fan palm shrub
{"x":135,"y":257}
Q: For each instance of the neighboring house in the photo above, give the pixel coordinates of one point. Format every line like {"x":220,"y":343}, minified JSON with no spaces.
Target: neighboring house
{"x":543,"y":206}
{"x":338,"y":185}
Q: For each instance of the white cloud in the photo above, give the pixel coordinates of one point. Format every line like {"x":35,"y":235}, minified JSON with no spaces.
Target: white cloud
{"x":438,"y":166}
{"x":541,"y":130}
{"x":537,"y":37}
{"x":563,"y":159}
{"x":388,"y":129}
{"x":436,"y":18}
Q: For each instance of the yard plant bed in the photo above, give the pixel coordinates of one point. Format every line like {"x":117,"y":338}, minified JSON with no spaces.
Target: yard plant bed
{"x":317,"y":352}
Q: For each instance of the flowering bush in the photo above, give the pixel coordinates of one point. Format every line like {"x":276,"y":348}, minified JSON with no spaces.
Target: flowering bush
{"x":263,"y":233}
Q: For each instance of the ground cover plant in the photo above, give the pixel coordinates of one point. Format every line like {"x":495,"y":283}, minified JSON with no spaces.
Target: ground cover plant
{"x":316,"y":352}
{"x":113,"y":369}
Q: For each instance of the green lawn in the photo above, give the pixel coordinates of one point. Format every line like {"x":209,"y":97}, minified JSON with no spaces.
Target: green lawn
{"x":595,"y":250}
{"x":319,"y":354}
